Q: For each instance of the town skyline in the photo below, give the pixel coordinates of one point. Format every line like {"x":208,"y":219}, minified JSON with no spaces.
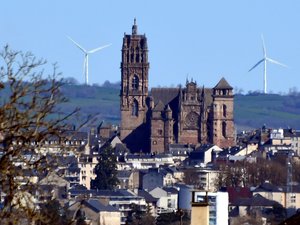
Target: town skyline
{"x":203,"y":41}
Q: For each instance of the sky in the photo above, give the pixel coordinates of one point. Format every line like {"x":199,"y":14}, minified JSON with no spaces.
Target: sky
{"x":203,"y":40}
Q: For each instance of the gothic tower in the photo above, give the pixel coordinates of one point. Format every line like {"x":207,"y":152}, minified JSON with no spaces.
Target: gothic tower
{"x":190,"y":110}
{"x":222,"y":127}
{"x":134,"y":86}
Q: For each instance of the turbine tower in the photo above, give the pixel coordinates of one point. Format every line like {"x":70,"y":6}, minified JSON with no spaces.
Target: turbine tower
{"x":264,"y":60}
{"x":86,"y":58}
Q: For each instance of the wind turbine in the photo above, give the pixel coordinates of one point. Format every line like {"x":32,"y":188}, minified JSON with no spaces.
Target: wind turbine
{"x":86,"y":58}
{"x":266,"y":59}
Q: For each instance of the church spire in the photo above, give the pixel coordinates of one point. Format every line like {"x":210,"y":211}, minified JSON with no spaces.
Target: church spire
{"x":134,"y":27}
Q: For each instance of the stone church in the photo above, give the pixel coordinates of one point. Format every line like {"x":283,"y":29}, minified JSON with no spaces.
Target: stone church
{"x":150,"y":121}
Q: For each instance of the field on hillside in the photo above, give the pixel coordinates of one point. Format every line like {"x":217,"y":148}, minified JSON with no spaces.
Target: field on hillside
{"x":250,"y":111}
{"x":271,"y":110}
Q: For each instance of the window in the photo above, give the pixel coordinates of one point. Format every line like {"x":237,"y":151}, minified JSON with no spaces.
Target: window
{"x":135,"y":108}
{"x":160,"y":132}
{"x":224,"y":110}
{"x":135,"y":83}
{"x":224,"y":129}
{"x":293,"y":198}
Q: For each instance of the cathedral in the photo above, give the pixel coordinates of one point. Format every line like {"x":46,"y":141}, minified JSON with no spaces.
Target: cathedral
{"x":152,"y":120}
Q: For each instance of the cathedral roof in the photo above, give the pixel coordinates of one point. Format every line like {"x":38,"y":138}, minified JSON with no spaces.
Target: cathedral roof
{"x":166,"y":95}
{"x":223,"y":84}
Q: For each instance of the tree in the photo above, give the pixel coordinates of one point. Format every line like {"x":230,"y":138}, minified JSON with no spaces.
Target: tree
{"x":247,"y":174}
{"x":138,"y":217}
{"x":71,"y":81}
{"x":29,"y":115}
{"x":191,"y":177}
{"x":106,"y":170}
{"x":53,"y":213}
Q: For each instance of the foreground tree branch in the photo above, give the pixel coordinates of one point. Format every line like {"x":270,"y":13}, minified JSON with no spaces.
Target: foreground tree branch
{"x":29,"y":116}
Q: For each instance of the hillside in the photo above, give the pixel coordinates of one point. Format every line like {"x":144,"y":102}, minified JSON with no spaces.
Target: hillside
{"x":271,"y":109}
{"x":251,"y":111}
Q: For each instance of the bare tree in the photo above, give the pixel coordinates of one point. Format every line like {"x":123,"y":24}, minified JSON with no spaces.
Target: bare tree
{"x":29,"y":117}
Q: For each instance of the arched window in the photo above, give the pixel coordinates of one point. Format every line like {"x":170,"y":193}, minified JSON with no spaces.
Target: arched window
{"x":224,"y":129}
{"x":135,"y":108}
{"x":135,"y":83}
{"x":224,"y":110}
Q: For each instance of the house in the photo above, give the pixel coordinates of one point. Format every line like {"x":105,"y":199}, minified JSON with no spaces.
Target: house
{"x":288,"y":199}
{"x":121,"y":199}
{"x":87,"y":164}
{"x":129,"y":179}
{"x":294,"y":136}
{"x":157,"y":177}
{"x":53,"y":186}
{"x":257,"y":207}
{"x":95,"y":213}
{"x":167,"y":199}
{"x":180,"y":151}
{"x":150,"y":200}
{"x":203,"y":154}
{"x":202,"y":177}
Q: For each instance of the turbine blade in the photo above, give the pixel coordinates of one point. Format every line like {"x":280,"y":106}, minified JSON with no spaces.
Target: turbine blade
{"x":264,"y":46}
{"x":80,"y":47}
{"x":98,"y":49}
{"x":276,"y":62}
{"x":259,"y":62}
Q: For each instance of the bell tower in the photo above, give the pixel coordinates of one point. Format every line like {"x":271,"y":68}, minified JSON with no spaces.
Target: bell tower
{"x":222,"y":128}
{"x":134,"y":84}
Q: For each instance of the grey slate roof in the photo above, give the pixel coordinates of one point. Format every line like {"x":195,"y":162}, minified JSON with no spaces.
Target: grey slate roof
{"x":148,"y":197}
{"x":291,"y":133}
{"x":166,"y":95}
{"x":223,"y":84}
{"x":123,"y":174}
{"x":97,"y":206}
{"x":267,"y":187}
{"x":256,"y":200}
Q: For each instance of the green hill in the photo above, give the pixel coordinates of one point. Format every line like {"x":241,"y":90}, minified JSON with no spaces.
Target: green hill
{"x":250,"y":111}
{"x":271,"y":109}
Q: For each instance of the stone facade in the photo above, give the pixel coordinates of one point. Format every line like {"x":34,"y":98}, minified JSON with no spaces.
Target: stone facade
{"x":187,"y":115}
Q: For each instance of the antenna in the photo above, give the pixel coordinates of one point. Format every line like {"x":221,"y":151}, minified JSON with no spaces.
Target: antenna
{"x":266,"y":59}
{"x":86,"y":57}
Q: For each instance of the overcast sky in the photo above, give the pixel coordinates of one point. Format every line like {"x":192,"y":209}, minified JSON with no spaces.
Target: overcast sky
{"x":204,"y":40}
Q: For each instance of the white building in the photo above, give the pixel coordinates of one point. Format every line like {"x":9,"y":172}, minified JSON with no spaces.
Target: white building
{"x":167,"y":199}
